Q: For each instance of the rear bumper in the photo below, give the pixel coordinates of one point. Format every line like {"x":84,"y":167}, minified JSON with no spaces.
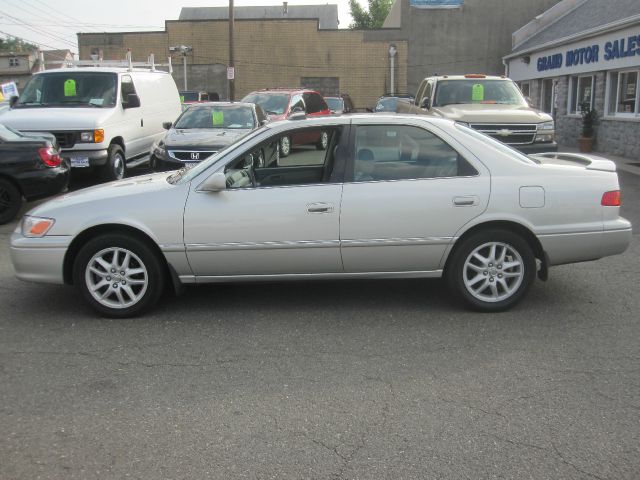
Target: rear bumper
{"x":563,"y":248}
{"x":42,"y":183}
{"x":39,"y":259}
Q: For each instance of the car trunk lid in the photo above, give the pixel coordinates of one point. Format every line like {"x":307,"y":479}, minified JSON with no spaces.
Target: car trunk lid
{"x":590,"y":162}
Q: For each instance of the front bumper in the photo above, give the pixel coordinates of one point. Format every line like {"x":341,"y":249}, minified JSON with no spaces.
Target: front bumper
{"x":39,"y":259}
{"x":86,"y":158}
{"x":537,"y":147}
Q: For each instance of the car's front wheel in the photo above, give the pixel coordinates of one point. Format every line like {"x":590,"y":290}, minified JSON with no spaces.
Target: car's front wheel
{"x":492,"y":270}
{"x":115,"y":168}
{"x":323,"y":141}
{"x":119,"y":275}
{"x":285,"y":146}
{"x":10,"y":201}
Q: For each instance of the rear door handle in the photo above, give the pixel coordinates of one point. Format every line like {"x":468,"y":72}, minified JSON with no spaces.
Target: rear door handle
{"x":466,"y":201}
{"x":319,"y":207}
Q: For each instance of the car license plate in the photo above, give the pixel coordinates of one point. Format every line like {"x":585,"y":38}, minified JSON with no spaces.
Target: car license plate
{"x":79,"y":162}
{"x":190,"y":164}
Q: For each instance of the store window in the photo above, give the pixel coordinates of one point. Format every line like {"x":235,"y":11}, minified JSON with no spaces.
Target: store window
{"x":525,"y":88}
{"x":581,"y":91}
{"x":623,"y":93}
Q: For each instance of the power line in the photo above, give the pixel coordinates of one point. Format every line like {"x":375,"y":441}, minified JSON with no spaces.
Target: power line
{"x":22,"y":24}
{"x":56,"y":13}
{"x":28,"y":41}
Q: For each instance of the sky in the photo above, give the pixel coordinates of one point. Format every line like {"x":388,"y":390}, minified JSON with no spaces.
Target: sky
{"x":54,"y":24}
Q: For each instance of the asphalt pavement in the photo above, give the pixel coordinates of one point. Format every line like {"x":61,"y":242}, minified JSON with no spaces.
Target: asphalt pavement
{"x":327,"y":380}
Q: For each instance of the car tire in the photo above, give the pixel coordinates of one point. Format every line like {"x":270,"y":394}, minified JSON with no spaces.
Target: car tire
{"x":285,"y":146}
{"x":492,"y":270}
{"x":116,"y":166}
{"x":323,"y":142}
{"x":10,"y":201}
{"x":119,"y":275}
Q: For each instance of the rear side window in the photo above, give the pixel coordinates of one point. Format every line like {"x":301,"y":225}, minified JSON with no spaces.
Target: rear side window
{"x":401,"y":152}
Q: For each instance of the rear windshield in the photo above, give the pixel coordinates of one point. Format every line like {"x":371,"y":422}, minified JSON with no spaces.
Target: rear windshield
{"x":217,"y":116}
{"x":70,"y":89}
{"x":189,"y":96}
{"x":451,"y":92}
{"x":272,"y":103}
{"x":334,"y":103}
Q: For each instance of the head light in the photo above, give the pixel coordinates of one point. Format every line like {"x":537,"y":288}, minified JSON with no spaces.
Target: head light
{"x":93,"y":136}
{"x":36,"y":226}
{"x":546,"y":126}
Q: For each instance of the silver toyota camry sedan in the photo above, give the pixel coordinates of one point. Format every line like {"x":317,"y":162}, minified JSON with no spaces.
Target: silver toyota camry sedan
{"x":389,"y":196}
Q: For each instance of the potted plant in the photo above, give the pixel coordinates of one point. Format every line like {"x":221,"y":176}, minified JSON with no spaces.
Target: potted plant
{"x":589,"y":117}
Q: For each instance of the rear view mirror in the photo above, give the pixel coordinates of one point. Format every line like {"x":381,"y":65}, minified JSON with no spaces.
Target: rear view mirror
{"x":167,"y":125}
{"x":133,"y":101}
{"x":215,"y":183}
{"x":12,"y":101}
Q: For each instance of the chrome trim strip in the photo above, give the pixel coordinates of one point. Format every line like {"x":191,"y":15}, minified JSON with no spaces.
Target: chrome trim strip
{"x":309,"y":276}
{"x":388,"y":242}
{"x":270,"y":245}
{"x":172,"y":247}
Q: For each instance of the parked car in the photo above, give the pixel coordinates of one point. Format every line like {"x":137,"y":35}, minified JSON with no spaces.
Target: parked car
{"x":102,"y":117}
{"x":389,"y":102}
{"x":281,"y":103}
{"x":490,"y":104}
{"x":30,"y":168}
{"x":203,"y":130}
{"x":393,"y":196}
{"x":339,"y":103}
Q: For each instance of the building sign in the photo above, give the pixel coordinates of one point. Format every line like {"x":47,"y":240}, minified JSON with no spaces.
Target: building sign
{"x":8,"y":90}
{"x":613,"y":49}
{"x":436,"y":3}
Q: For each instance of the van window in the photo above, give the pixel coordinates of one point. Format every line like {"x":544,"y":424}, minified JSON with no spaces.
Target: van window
{"x":69,"y":89}
{"x":127,"y":87}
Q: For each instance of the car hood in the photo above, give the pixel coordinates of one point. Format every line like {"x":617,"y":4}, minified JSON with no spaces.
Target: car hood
{"x":203,"y":137}
{"x":491,"y":113}
{"x":35,"y":119}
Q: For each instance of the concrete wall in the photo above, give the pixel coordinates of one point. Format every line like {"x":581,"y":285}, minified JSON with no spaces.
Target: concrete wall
{"x":268,"y":53}
{"x":471,"y":39}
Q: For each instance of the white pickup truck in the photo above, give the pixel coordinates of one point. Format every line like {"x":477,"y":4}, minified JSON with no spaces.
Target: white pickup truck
{"x":493,"y":105}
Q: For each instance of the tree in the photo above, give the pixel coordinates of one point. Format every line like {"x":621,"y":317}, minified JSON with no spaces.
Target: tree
{"x":15,"y":44}
{"x":373,"y":17}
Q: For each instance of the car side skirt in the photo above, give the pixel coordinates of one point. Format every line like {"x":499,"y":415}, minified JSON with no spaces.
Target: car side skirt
{"x":309,"y":276}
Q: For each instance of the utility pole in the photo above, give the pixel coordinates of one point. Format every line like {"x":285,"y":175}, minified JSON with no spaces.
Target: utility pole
{"x":231,"y":70}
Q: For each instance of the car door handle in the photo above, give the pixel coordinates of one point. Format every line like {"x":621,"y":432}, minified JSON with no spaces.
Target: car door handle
{"x":319,"y":207}
{"x":467,"y":201}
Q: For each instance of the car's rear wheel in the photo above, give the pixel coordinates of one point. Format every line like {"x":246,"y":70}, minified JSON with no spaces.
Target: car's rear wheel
{"x":119,"y":275}
{"x":285,"y":146}
{"x":10,"y":201}
{"x":492,"y":270}
{"x":115,"y":168}
{"x":323,"y":142}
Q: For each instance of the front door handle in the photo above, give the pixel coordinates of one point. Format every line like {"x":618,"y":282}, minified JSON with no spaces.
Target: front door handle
{"x":320,"y":207}
{"x":466,"y":201}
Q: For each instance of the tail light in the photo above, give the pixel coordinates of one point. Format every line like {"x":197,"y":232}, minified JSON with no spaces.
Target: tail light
{"x":611,"y":199}
{"x":49,"y":156}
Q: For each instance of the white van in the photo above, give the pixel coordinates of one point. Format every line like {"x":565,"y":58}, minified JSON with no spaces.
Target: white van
{"x":103,"y":118}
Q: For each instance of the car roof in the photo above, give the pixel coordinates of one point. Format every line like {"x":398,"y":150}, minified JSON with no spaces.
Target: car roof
{"x":209,"y":104}
{"x":285,"y":90}
{"x":68,"y":70}
{"x":471,"y":76}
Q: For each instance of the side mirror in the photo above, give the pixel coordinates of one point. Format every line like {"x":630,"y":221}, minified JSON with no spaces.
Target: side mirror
{"x":529,"y":102}
{"x":297,"y":110}
{"x":12,"y":101}
{"x":426,"y":103}
{"x":133,"y":101}
{"x":215,"y":183}
{"x":167,"y":125}
{"x":370,"y":110}
{"x":264,"y":122}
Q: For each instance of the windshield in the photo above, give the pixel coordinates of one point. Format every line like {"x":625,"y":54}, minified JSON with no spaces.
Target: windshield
{"x":503,"y":92}
{"x":272,"y":103}
{"x":189,"y":96}
{"x":217,"y":116}
{"x":387,"y":104}
{"x":186,"y":174}
{"x":70,"y":89}
{"x":334,"y":103}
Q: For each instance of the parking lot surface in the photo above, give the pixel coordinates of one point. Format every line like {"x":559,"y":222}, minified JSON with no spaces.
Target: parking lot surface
{"x":327,"y":380}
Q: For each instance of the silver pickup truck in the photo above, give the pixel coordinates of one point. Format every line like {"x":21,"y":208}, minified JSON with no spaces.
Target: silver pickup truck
{"x":493,"y":105}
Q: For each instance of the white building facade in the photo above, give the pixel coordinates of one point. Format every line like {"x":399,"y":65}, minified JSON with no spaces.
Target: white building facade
{"x":584,"y":51}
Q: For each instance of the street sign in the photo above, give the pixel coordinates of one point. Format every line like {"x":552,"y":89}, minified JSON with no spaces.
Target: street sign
{"x":231,"y":73}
